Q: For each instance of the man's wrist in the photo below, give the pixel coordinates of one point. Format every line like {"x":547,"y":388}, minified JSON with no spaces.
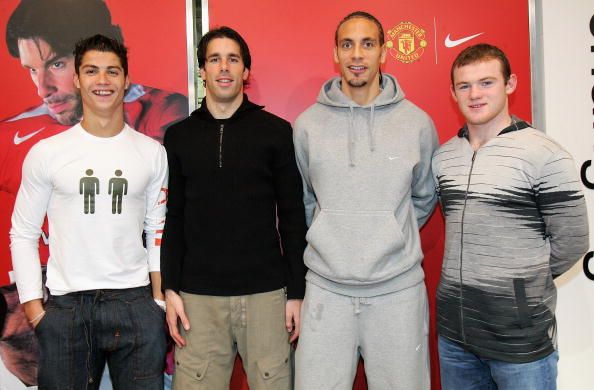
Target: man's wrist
{"x":161,"y":303}
{"x":37,"y":317}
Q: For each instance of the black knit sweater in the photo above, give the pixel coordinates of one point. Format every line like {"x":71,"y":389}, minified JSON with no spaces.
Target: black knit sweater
{"x":228,"y":182}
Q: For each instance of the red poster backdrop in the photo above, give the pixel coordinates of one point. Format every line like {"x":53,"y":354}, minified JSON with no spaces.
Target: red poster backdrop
{"x":157,"y":59}
{"x":291,"y":45}
{"x":155,"y":33}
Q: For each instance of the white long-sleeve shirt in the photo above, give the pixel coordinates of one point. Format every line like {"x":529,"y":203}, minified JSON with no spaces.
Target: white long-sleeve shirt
{"x":99,"y":194}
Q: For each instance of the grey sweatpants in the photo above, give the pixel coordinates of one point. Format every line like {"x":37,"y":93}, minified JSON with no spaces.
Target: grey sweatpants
{"x":389,"y":331}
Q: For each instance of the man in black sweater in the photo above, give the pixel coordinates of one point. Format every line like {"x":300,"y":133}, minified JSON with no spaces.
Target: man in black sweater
{"x":230,"y":280}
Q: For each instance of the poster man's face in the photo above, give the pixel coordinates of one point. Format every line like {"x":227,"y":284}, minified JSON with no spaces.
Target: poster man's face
{"x":54,"y":78}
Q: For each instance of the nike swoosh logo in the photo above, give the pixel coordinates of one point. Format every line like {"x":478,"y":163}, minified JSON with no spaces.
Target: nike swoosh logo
{"x":392,"y":158}
{"x":453,"y":43}
{"x":20,"y":140}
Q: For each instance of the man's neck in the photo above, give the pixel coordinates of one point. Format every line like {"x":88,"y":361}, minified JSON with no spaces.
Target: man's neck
{"x":361,"y":95}
{"x":105,"y":126}
{"x":478,"y":135}
{"x":223,"y":110}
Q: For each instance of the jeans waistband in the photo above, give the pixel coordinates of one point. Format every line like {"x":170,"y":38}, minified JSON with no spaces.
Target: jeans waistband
{"x":105,"y":293}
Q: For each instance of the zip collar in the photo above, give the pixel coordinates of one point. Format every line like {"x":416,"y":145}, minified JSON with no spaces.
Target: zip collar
{"x":517,"y":124}
{"x":246,"y":106}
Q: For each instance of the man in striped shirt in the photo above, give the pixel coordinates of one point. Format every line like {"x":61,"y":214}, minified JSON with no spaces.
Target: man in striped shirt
{"x":515,"y":219}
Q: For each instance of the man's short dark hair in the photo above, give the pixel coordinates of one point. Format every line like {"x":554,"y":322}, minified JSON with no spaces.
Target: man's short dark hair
{"x":100,"y":43}
{"x":61,"y":23}
{"x":479,"y":53}
{"x":224,"y":32}
{"x":364,"y":15}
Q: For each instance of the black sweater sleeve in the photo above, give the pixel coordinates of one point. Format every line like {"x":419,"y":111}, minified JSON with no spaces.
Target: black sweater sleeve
{"x":173,"y":247}
{"x":291,"y":212}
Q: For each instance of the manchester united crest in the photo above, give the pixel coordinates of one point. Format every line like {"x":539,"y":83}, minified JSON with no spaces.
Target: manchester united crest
{"x":406,"y":42}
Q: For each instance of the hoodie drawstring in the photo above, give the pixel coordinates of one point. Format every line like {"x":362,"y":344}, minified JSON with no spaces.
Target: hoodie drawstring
{"x":351,"y":139}
{"x":357,"y":302}
{"x":351,"y":133}
{"x":370,"y":129}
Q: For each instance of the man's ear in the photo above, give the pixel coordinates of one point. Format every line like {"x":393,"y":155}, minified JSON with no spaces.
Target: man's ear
{"x":511,"y":85}
{"x":453,"y":92}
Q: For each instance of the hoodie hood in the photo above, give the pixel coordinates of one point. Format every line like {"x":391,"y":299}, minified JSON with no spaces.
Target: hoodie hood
{"x":331,"y":95}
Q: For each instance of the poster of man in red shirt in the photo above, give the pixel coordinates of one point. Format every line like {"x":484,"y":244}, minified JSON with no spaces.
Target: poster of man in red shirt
{"x":41,"y":100}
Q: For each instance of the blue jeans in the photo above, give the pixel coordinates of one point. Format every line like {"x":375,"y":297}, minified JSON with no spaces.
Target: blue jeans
{"x":82,"y":331}
{"x":463,"y":370}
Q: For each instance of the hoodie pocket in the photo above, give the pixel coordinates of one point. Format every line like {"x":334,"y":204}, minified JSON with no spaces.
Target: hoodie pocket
{"x":355,"y":247}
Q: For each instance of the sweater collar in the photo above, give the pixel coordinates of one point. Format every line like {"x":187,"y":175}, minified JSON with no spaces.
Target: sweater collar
{"x":246,"y":106}
{"x":516,"y":124}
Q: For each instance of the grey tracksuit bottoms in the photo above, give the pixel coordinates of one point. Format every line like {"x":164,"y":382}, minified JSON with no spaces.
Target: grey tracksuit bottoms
{"x":389,"y":331}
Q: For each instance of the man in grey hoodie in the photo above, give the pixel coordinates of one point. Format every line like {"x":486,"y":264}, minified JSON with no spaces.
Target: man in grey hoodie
{"x":364,"y":152}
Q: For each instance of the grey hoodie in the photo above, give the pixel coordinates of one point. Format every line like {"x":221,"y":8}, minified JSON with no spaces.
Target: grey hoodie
{"x":368,"y":188}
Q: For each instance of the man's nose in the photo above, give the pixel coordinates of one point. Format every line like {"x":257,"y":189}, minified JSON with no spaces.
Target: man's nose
{"x":102,"y":78}
{"x":474,"y":91}
{"x":357,"y":51}
{"x":45,"y":84}
{"x":224,"y":64}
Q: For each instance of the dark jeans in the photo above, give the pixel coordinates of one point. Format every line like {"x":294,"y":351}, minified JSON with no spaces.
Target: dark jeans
{"x":462,"y":370}
{"x":83,"y":330}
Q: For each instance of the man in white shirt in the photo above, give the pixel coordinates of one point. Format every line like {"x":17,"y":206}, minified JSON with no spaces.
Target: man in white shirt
{"x":101,"y":307}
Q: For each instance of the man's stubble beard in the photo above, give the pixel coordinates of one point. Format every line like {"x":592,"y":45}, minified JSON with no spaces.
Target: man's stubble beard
{"x":357,"y":83}
{"x":72,"y":117}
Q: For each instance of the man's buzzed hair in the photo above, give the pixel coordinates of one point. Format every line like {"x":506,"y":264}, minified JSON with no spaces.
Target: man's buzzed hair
{"x":60,"y":23}
{"x":482,"y":52}
{"x":100,"y":43}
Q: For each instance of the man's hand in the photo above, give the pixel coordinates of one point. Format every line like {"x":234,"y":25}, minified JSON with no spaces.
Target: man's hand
{"x":175,"y":309}
{"x":34,"y":311}
{"x":293,"y":318}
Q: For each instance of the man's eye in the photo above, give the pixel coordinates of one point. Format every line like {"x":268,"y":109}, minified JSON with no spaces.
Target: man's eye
{"x":463,"y":86}
{"x":347,"y":45}
{"x":486,"y":83}
{"x":58,"y":65}
{"x":368,"y":45}
{"x":213,"y":60}
{"x":113,"y":72}
{"x":32,"y":71}
{"x":234,"y":60}
{"x":90,"y":71}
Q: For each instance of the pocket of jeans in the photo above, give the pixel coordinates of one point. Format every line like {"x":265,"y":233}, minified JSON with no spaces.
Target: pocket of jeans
{"x":149,"y":337}
{"x":156,"y":308}
{"x":274,"y":368}
{"x":525,"y":320}
{"x":50,"y":310}
{"x":37,"y":328}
